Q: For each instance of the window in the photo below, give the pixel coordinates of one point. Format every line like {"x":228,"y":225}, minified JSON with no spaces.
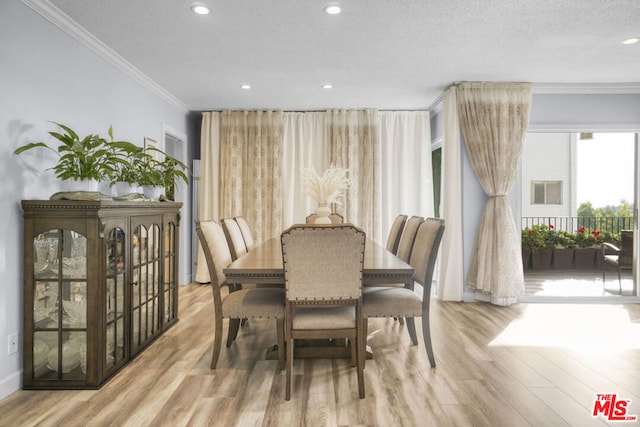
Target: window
{"x":546,"y":192}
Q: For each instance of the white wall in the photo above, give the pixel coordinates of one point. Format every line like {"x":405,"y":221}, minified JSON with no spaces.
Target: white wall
{"x":47,"y":75}
{"x":548,"y":157}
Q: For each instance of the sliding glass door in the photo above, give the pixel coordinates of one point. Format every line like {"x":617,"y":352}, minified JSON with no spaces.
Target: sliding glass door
{"x":578,"y":190}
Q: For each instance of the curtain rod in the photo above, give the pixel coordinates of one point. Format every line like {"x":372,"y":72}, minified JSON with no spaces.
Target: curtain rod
{"x":324,"y":111}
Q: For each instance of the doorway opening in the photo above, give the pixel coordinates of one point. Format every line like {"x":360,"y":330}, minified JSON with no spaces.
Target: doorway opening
{"x":578,"y":192}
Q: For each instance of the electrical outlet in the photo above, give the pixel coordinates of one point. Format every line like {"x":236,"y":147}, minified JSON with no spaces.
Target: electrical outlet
{"x":12,"y":345}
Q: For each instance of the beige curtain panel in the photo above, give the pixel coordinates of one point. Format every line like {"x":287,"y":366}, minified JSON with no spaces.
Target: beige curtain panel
{"x":208,"y":203}
{"x":251,"y":153}
{"x":494,"y":119}
{"x":354,"y":145}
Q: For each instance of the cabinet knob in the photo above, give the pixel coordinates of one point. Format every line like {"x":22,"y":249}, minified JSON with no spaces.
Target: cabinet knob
{"x":134,"y":283}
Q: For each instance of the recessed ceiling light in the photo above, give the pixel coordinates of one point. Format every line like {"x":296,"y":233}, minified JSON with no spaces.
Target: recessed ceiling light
{"x":245,"y":86}
{"x":332,"y":9}
{"x":631,"y":40}
{"x":327,"y":86}
{"x":200,"y":9}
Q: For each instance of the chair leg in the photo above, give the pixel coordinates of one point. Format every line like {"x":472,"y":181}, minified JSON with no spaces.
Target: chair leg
{"x":360,"y":348}
{"x":363,"y":343}
{"x":619,"y":281}
{"x":234,"y":325}
{"x":281,"y":346}
{"x":217,"y":342}
{"x":426,"y":335}
{"x":411,"y":327}
{"x":289,"y":378}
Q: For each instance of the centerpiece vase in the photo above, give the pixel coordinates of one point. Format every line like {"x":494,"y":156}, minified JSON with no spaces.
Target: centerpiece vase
{"x":322,"y":215}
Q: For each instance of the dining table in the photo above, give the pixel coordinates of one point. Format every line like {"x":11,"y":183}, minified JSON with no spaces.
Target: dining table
{"x":263,"y":265}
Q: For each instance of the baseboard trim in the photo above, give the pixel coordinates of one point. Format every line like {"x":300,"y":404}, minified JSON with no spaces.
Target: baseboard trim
{"x":10,"y":384}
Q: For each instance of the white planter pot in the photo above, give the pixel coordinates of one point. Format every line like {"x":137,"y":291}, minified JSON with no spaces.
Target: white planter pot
{"x":83,"y":185}
{"x":124,"y":188}
{"x":323,"y":213}
{"x":152,"y":192}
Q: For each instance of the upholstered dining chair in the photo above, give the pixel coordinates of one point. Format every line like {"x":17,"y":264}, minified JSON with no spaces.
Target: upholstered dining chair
{"x":618,"y":258}
{"x":393,"y":301}
{"x":323,"y":280}
{"x":393,"y":239}
{"x":335,"y":218}
{"x":249,"y":243}
{"x":233,"y":234}
{"x":405,"y":244}
{"x":263,"y":303}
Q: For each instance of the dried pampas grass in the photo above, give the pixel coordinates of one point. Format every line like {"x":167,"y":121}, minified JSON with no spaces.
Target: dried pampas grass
{"x":327,"y":188}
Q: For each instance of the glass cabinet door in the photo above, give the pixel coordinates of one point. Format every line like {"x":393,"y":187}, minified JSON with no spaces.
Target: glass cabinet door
{"x":145,"y":303}
{"x":115,"y":308}
{"x":169,"y":260}
{"x":60,"y":305}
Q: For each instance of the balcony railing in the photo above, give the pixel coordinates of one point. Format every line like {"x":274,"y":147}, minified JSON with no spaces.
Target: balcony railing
{"x":573,"y":223}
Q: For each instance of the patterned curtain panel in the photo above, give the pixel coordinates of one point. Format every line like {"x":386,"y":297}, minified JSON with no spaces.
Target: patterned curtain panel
{"x":494,"y":119}
{"x":354,"y":145}
{"x":250,"y":169}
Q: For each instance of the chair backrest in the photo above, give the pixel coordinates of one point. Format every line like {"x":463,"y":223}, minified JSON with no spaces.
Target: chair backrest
{"x":626,"y":248}
{"x":246,"y":232}
{"x":234,"y":238}
{"x":216,"y":252}
{"x":394,"y":234}
{"x":335,"y":218}
{"x":425,"y":250}
{"x":408,"y":236}
{"x":323,"y":262}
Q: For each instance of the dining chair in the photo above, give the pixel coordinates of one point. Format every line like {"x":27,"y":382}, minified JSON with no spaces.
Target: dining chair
{"x":405,"y":302}
{"x":335,"y":218}
{"x":254,"y":303}
{"x":233,"y":234}
{"x":405,"y":244}
{"x":245,"y":230}
{"x":323,"y":281}
{"x":620,"y":258}
{"x":393,"y":239}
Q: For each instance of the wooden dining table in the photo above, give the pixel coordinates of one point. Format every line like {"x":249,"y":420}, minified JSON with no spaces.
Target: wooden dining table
{"x":263,"y":265}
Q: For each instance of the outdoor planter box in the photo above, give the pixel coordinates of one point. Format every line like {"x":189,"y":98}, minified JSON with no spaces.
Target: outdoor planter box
{"x":541,"y":260}
{"x":598,"y":261}
{"x":563,"y":259}
{"x":584,"y":258}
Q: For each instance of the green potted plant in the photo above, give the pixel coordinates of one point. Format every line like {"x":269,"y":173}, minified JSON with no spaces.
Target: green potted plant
{"x":158,"y":176}
{"x":79,"y":159}
{"x":539,"y":240}
{"x":129,"y":160}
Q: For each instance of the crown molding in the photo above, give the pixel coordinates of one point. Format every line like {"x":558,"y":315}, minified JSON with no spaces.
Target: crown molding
{"x":75,"y":30}
{"x":587,"y":88}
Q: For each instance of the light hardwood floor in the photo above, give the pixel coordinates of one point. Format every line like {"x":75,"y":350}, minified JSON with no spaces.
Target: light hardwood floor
{"x":524,"y":365}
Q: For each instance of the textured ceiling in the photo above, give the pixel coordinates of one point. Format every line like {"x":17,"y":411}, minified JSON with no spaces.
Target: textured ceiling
{"x":375,"y":56}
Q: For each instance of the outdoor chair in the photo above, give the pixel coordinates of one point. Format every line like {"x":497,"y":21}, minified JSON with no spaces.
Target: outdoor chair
{"x":618,"y":258}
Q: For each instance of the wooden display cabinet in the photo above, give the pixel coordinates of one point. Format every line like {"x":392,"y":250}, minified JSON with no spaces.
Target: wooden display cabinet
{"x":100,"y":284}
